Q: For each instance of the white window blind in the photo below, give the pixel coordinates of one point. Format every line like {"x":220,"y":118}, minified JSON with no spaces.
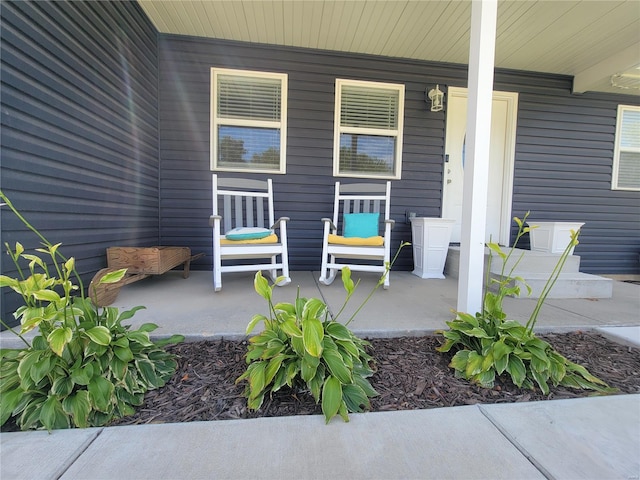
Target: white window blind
{"x":626,"y":161}
{"x":249,"y":98}
{"x":369,"y":107}
{"x":368,"y":129}
{"x":248,"y":119}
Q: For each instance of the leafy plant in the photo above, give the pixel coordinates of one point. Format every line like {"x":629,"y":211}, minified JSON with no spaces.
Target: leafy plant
{"x":489,"y":344}
{"x":302,"y":346}
{"x":84,"y":368}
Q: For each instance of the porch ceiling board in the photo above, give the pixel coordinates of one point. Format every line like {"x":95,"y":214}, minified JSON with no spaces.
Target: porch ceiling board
{"x":562,"y":37}
{"x":440,"y":45}
{"x":570,"y":36}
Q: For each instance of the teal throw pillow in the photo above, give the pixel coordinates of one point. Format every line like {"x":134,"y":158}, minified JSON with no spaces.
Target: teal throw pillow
{"x":247,"y":233}
{"x":361,"y":225}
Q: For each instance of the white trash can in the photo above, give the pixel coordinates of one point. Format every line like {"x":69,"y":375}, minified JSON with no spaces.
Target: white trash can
{"x":430,"y":240}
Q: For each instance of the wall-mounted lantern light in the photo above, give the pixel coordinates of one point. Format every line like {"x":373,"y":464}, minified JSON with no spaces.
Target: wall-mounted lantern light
{"x":436,"y":97}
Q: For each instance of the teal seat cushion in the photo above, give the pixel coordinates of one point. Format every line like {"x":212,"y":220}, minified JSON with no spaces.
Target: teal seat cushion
{"x":247,"y":233}
{"x":361,"y":225}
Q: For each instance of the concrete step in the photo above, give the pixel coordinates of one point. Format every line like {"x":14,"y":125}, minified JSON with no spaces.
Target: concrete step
{"x":535,"y":262}
{"x":568,"y":285}
{"x":528,"y":261}
{"x":536,"y":267}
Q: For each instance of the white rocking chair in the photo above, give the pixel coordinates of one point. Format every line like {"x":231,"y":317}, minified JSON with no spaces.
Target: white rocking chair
{"x":243,"y":210}
{"x":359,"y":244}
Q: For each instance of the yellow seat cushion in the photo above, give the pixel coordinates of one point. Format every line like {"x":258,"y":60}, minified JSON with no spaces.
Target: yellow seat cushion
{"x":356,"y":241}
{"x":273,"y":238}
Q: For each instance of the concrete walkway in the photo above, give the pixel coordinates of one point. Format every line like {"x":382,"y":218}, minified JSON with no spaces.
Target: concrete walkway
{"x":585,"y":438}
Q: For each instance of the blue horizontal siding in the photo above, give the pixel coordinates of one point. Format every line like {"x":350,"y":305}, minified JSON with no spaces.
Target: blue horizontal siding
{"x":305,"y":193}
{"x":564,"y":148}
{"x":564,"y":164}
{"x":79,"y":129}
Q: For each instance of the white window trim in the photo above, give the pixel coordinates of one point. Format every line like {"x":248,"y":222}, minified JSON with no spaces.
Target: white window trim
{"x":368,"y":131}
{"x":215,"y":121}
{"x":617,"y":148}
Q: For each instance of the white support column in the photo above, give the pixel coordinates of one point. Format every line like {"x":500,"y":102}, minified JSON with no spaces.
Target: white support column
{"x":476,"y":172}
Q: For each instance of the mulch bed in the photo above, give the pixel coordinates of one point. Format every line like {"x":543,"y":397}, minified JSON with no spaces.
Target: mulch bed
{"x":410,"y":375}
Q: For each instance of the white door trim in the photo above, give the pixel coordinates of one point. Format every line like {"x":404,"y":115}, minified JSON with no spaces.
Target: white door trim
{"x":511,"y":99}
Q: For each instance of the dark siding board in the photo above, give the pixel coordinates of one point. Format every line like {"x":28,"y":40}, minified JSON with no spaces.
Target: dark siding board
{"x":305,"y":193}
{"x":89,"y":121}
{"x":568,"y":126}
{"x":133,"y":30}
{"x":105,"y":43}
{"x":562,"y":176}
{"x":68,"y":67}
{"x":79,"y":128}
{"x":598,"y":197}
{"x":564,"y":153}
{"x":22,"y":132}
{"x":564,"y":143}
{"x":601,"y":158}
{"x":560,"y":112}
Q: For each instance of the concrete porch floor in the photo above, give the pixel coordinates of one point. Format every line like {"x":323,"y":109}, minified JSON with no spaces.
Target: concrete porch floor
{"x":411,"y":305}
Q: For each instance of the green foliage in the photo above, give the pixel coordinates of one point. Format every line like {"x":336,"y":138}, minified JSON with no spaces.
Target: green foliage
{"x":489,"y":344}
{"x":270,"y":156}
{"x":352,"y":161}
{"x":84,"y":368}
{"x":301,"y":346}
{"x":231,"y":150}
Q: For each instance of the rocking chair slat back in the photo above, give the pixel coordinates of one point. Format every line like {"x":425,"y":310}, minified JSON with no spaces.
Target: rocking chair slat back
{"x":361,"y":198}
{"x":361,"y":206}
{"x":242,"y":208}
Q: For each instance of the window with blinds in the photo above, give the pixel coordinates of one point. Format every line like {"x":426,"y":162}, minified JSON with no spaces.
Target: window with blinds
{"x":248,"y":121}
{"x":626,"y":157}
{"x":368,"y":129}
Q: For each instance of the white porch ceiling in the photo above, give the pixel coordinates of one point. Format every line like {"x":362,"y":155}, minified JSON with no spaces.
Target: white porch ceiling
{"x":597,"y":42}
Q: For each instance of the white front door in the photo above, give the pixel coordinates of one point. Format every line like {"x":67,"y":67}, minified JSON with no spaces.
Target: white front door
{"x":501,"y":161}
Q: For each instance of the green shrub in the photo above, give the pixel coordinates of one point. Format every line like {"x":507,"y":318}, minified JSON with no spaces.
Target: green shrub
{"x":302,"y":346}
{"x":84,"y":368}
{"x":489,"y":345}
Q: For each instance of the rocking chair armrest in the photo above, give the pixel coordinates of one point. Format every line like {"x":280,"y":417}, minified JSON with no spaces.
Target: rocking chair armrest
{"x":325,"y":220}
{"x":282,"y":220}
{"x":213,"y":218}
{"x":391,"y":222}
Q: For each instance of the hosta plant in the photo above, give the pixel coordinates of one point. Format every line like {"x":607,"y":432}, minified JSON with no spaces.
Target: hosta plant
{"x":84,"y":367}
{"x":489,"y":345}
{"x":302,"y":346}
